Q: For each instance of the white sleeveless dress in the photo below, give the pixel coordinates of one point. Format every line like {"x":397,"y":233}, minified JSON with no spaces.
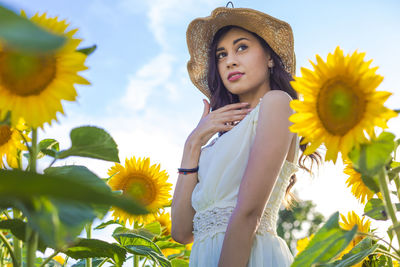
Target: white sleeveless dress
{"x":221,"y":168}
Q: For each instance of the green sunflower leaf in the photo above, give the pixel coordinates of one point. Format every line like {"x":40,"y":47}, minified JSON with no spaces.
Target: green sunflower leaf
{"x":357,"y":254}
{"x":105,"y":224}
{"x":18,"y":227}
{"x":167,"y":244}
{"x":22,"y":34}
{"x":91,"y":142}
{"x":140,"y":245}
{"x":375,"y":209}
{"x":48,"y":147}
{"x":143,"y":232}
{"x":370,"y":158}
{"x":95,"y":263}
{"x":327,"y":243}
{"x":179,"y":263}
{"x":94,"y":248}
{"x":59,"y":202}
{"x":154,"y":228}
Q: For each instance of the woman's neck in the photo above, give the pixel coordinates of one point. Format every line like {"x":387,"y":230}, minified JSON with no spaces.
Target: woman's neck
{"x":253,"y":98}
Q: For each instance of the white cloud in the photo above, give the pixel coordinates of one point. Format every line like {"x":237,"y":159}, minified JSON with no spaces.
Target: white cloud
{"x":176,"y":15}
{"x":151,"y":76}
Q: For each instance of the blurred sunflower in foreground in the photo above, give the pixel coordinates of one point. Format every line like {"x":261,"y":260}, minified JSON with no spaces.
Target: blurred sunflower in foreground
{"x":142,"y":182}
{"x":358,"y":188}
{"x":11,"y":143}
{"x":33,"y":85}
{"x":340,"y":102}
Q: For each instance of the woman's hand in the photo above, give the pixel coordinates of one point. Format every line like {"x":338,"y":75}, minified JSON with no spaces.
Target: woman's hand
{"x":222,"y":119}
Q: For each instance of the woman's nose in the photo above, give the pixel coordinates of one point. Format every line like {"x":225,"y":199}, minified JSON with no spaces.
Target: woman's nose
{"x":231,"y":61}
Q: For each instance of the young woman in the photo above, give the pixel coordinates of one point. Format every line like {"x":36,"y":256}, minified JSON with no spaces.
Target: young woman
{"x":229,"y":192}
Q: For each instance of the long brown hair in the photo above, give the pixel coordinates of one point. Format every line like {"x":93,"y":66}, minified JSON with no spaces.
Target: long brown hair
{"x":279,"y":80}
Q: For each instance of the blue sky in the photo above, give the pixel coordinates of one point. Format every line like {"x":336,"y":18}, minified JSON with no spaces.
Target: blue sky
{"x":141,"y":92}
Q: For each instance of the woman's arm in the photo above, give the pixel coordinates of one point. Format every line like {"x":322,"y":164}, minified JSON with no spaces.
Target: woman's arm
{"x":182,"y":212}
{"x":267,"y":156}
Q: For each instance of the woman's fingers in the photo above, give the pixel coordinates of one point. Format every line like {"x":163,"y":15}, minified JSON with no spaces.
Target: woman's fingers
{"x":232,"y":107}
{"x":232,"y":118}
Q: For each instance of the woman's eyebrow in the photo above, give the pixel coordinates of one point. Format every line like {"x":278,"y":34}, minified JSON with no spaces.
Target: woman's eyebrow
{"x":240,"y":39}
{"x":234,"y":42}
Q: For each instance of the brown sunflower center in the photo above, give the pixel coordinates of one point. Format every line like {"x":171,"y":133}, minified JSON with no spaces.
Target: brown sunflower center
{"x":5,"y":134}
{"x":141,"y":189}
{"x":340,"y":106}
{"x":26,"y":74}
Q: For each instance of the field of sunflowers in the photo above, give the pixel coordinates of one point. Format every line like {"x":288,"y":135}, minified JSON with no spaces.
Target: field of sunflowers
{"x":339,"y":107}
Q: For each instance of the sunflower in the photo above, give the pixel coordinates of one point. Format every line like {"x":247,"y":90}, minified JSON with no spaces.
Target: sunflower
{"x":11,"y":143}
{"x":189,"y":246}
{"x":348,"y":224}
{"x":340,"y":102}
{"x":33,"y":85}
{"x":171,"y":251}
{"x":142,"y":182}
{"x":358,"y":188}
{"x":165,"y":221}
{"x":59,"y":259}
{"x":303,"y":243}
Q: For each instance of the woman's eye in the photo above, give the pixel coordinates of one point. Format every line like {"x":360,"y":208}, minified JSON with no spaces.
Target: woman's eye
{"x":221,"y":55}
{"x":242,"y":47}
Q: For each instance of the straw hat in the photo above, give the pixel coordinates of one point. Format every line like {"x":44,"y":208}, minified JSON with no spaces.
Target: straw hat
{"x":200,"y":33}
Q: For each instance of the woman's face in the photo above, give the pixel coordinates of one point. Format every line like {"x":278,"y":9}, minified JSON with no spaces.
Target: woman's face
{"x":243,"y":63}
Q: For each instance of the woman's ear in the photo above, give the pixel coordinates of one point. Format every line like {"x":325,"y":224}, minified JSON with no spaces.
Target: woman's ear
{"x":270,"y":63}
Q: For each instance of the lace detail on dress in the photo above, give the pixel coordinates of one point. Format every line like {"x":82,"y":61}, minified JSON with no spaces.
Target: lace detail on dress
{"x":209,"y":222}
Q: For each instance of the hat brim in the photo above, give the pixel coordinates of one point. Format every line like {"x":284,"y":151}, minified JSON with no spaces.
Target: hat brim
{"x":200,"y":33}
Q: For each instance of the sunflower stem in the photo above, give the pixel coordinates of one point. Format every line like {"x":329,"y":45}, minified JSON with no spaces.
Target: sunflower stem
{"x":10,"y":250}
{"x":383,"y":184}
{"x":33,"y":236}
{"x":16,"y":242}
{"x":88,"y":228}
{"x":135,"y":260}
{"x":381,"y":251}
{"x":397,"y":183}
{"x":33,"y":151}
{"x":49,"y":258}
{"x":135,"y":257}
{"x":101,"y":263}
{"x":31,"y":249}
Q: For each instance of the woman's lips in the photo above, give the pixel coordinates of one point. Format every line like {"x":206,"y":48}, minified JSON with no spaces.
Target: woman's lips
{"x":235,"y":76}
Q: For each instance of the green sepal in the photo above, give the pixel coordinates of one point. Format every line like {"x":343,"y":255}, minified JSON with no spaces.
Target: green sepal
{"x":87,"y":50}
{"x":105,"y":224}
